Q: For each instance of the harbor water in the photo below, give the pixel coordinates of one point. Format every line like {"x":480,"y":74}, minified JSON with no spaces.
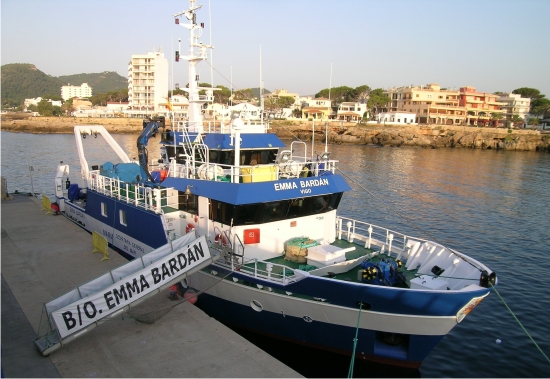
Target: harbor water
{"x":491,"y":205}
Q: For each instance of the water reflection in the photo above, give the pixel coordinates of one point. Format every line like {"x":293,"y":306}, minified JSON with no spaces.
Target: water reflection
{"x":492,"y":205}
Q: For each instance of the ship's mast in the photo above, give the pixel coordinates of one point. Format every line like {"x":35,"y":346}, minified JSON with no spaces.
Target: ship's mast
{"x":197,"y":53}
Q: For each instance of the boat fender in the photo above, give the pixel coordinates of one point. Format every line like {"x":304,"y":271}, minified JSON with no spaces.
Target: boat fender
{"x":196,"y":218}
{"x":189,"y":227}
{"x":220,"y":240}
{"x":190,"y":296}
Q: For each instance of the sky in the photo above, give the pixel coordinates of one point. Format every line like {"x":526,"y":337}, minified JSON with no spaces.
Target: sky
{"x":302,"y":46}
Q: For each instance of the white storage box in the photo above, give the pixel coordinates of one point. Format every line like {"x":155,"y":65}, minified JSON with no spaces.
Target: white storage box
{"x":319,"y":264}
{"x":324,"y":255}
{"x":425,"y":282}
{"x":326,"y":252}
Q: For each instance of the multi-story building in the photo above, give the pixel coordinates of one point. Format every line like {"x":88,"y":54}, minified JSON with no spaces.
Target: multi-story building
{"x":147,"y":84}
{"x":317,"y":108}
{"x":351,"y":112}
{"x":514,"y":104}
{"x":481,"y":107}
{"x":81,"y":91}
{"x":283,"y":92}
{"x":430,"y":104}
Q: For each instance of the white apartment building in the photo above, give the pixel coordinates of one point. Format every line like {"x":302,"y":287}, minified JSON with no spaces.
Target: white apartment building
{"x":83,"y":90}
{"x":514,"y":104}
{"x":147,"y":84}
{"x":351,"y":112}
{"x":398,"y":118}
{"x":27,"y":102}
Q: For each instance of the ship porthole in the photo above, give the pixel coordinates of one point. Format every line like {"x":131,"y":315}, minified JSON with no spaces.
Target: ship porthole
{"x":307,"y":319}
{"x":256,"y":306}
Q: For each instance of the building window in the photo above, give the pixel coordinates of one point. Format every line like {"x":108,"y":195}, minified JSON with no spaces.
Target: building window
{"x":104,"y":209}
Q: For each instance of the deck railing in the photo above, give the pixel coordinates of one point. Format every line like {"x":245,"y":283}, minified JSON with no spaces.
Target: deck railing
{"x":372,"y":235}
{"x":152,"y":199}
{"x":249,"y":173}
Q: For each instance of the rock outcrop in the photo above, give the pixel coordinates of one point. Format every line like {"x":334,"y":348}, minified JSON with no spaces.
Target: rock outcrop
{"x":433,"y":136}
{"x":425,"y":136}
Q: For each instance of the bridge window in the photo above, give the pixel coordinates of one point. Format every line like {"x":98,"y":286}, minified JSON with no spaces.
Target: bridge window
{"x":261,"y":213}
{"x":221,"y":212}
{"x":247,"y":214}
{"x":275,"y":211}
{"x":188,"y":203}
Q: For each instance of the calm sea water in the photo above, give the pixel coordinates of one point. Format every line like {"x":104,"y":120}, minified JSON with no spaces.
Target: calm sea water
{"x":491,"y":205}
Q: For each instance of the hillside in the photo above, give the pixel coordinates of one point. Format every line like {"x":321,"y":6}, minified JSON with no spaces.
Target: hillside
{"x":21,"y":81}
{"x":102,"y":82}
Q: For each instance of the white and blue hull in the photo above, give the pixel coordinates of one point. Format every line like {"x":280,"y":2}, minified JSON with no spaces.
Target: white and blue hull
{"x":329,"y":326}
{"x":144,"y":234}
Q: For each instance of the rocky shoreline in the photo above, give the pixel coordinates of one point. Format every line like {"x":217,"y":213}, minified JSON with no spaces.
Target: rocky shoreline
{"x":425,"y":136}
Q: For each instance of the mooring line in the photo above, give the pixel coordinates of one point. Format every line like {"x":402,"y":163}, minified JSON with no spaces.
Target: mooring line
{"x":520,"y":324}
{"x":352,"y":363}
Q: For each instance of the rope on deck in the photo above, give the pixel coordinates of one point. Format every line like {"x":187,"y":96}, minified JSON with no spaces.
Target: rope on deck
{"x":350,"y":371}
{"x":525,"y":330}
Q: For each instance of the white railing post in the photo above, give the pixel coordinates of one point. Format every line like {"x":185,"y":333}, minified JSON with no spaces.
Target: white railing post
{"x":269,"y":268}
{"x":369,"y":240}
{"x":390,"y":238}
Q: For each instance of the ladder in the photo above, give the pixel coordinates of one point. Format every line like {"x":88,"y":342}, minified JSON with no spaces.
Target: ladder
{"x":95,"y":302}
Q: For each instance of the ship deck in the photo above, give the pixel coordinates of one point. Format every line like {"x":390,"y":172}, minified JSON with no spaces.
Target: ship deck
{"x":350,"y":275}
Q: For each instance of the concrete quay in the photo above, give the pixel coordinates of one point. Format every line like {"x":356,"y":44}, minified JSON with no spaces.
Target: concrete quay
{"x":44,"y":256}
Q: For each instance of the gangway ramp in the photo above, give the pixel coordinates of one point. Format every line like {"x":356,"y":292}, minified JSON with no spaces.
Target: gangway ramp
{"x":91,"y":304}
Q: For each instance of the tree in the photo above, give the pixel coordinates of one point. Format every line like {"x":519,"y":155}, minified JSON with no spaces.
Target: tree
{"x":362,"y":93}
{"x":45,"y":108}
{"x":541,"y":107}
{"x":516,"y":120}
{"x":243,"y":94}
{"x":114,"y":96}
{"x":337,"y":95}
{"x":222,"y":96}
{"x":56,"y":110}
{"x":275,"y":105}
{"x":378,"y":99}
{"x":533,"y":121}
{"x":495,"y":118}
{"x":531,"y":93}
{"x":68,"y":107}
